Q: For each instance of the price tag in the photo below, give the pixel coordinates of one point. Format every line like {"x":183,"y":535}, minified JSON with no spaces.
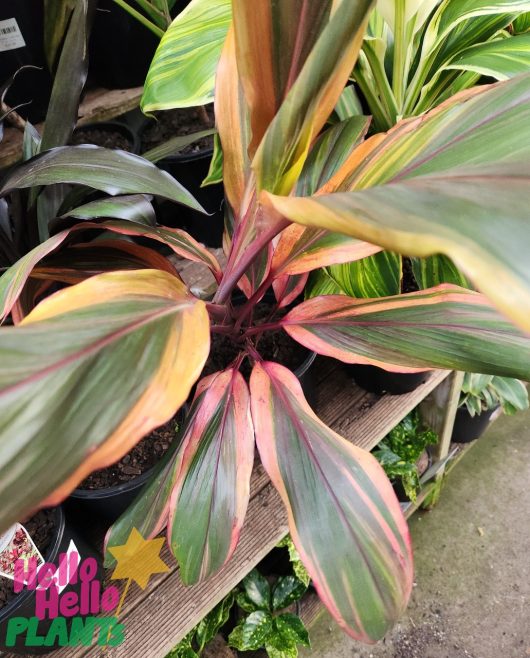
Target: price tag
{"x":10,"y":35}
{"x":16,"y":544}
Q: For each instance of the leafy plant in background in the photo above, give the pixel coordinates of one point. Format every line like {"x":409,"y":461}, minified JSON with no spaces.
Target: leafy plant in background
{"x":399,"y":451}
{"x":485,"y":392}
{"x":156,"y":14}
{"x":418,"y":53}
{"x":124,"y":348}
{"x":266,"y":624}
{"x":193,"y":645}
{"x":298,"y":566}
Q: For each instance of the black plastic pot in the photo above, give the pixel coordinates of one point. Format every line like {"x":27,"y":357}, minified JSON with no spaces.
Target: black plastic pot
{"x":31,"y":85}
{"x":111,"y":502}
{"x":23,"y":604}
{"x":121,"y":48}
{"x":379,"y":381}
{"x":468,"y":428}
{"x":190,"y":170}
{"x":423,"y":465}
{"x":114,"y":127}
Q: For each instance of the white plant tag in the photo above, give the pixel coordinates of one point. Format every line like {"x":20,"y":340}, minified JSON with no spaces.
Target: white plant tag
{"x":10,"y":35}
{"x":16,"y":544}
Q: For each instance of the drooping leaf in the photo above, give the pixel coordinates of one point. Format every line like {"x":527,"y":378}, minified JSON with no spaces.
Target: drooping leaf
{"x":112,"y":171}
{"x":121,"y":351}
{"x":257,"y":590}
{"x":443,"y":327}
{"x":420,"y":203}
{"x":211,"y":492}
{"x":13,"y":280}
{"x":182,"y":73}
{"x":314,"y":80}
{"x":343,"y":515}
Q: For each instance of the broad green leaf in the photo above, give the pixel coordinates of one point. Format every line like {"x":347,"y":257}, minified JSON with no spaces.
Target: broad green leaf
{"x":453,"y":182}
{"x":252,"y":632}
{"x":257,"y":590}
{"x":182,"y":73}
{"x":501,"y":59}
{"x":321,"y":283}
{"x":313,"y":79}
{"x":348,"y":104}
{"x":376,"y":276}
{"x":434,"y":270}
{"x":512,"y":394}
{"x":211,"y":492}
{"x":522,"y":23}
{"x":111,"y":171}
{"x":286,"y":651}
{"x":123,"y":350}
{"x":443,"y":327}
{"x":291,"y":629}
{"x":13,"y":280}
{"x":57,"y":14}
{"x":344,"y":518}
{"x":135,"y":207}
{"x":215,"y":172}
{"x":287,"y":590}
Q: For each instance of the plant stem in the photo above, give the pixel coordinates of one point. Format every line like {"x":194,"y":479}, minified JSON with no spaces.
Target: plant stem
{"x":254,"y":299}
{"x":140,"y":17}
{"x":260,"y":328}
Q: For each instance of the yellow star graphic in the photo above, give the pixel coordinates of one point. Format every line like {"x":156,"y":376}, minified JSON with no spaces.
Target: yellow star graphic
{"x":138,"y":559}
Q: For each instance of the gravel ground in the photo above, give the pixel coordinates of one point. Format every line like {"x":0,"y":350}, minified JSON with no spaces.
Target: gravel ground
{"x":472,"y":590}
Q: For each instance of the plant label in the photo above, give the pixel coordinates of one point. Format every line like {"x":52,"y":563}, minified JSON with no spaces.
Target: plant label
{"x":16,"y":544}
{"x":10,"y":35}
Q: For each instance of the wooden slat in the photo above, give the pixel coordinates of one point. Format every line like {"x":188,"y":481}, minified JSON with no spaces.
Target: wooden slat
{"x":98,"y":105}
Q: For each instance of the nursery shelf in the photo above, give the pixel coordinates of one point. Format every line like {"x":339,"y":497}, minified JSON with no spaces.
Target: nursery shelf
{"x":160,"y":616}
{"x":98,"y":105}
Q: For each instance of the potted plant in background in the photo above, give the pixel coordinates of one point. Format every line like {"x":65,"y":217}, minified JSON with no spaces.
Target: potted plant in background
{"x":481,"y":396}
{"x":132,"y":368}
{"x":404,"y":457}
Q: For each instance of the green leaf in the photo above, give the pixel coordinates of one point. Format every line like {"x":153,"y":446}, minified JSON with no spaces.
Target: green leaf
{"x":182,"y":73}
{"x":175,"y":145}
{"x":285,"y":652}
{"x":512,"y":394}
{"x":348,"y":104}
{"x":136,"y":207}
{"x":252,"y":633}
{"x":215,"y":172}
{"x":443,"y":327}
{"x":257,"y":590}
{"x":321,"y":283}
{"x":376,"y":276}
{"x":501,"y":59}
{"x":57,"y":13}
{"x":111,"y":171}
{"x":123,"y":349}
{"x":435,"y":270}
{"x":69,"y":78}
{"x":287,"y":590}
{"x":291,"y":629}
{"x":299,"y":570}
{"x":211,"y":491}
{"x":337,"y":496}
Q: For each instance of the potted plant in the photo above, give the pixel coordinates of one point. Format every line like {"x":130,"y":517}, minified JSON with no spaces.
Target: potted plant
{"x":404,"y":457}
{"x":124,"y":348}
{"x":481,"y":396}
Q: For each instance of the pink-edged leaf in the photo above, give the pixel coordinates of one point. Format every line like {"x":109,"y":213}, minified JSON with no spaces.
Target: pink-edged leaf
{"x":442,"y":327}
{"x":211,"y":493}
{"x":303,"y":249}
{"x":344,"y":518}
{"x":13,"y":280}
{"x":287,"y":288}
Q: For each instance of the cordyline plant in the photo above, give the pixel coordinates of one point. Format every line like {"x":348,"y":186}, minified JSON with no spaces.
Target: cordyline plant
{"x":96,"y":366}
